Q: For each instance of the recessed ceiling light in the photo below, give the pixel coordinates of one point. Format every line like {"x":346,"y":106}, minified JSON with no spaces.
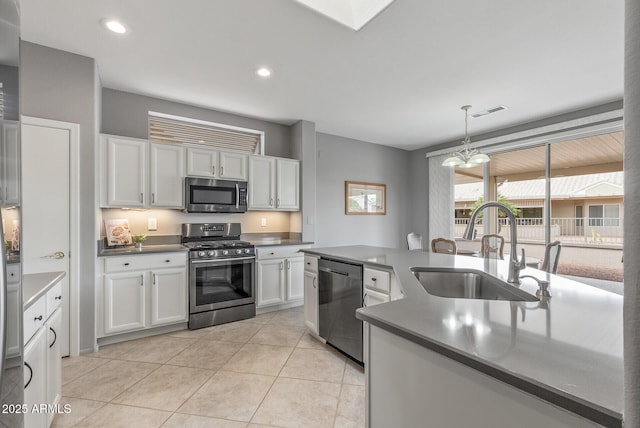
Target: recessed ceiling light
{"x":264,"y":72}
{"x":114,"y":26}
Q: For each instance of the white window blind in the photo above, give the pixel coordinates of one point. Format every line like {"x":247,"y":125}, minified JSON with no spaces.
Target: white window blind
{"x":175,"y":129}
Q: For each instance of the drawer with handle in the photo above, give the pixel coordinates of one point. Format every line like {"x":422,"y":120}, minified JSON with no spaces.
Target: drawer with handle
{"x":54,"y":298}
{"x":34,"y":318}
{"x":311,"y":264}
{"x":143,"y":262}
{"x":376,"y":279}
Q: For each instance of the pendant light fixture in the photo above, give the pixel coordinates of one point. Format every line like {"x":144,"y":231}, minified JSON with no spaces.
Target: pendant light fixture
{"x":467,"y":157}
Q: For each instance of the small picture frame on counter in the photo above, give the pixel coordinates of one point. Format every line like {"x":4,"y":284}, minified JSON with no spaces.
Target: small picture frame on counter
{"x":117,"y":232}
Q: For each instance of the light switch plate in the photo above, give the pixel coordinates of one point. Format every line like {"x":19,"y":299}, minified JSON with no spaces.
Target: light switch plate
{"x":152,"y":224}
{"x":263,"y":222}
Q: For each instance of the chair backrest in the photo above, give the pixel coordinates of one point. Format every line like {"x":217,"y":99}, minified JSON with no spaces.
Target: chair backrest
{"x":492,"y":246}
{"x":414,"y":241}
{"x":551,"y":257}
{"x":444,"y":246}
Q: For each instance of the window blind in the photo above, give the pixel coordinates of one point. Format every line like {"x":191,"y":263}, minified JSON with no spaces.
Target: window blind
{"x":174,"y":129}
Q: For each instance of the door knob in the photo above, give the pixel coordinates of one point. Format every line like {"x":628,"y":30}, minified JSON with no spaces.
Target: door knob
{"x":56,"y":255}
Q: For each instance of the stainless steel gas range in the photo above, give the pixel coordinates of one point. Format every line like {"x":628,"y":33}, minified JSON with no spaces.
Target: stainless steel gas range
{"x":221,"y":269}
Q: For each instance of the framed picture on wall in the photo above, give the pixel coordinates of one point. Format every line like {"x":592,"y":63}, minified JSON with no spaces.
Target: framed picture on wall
{"x":365,"y":198}
{"x":117,"y":232}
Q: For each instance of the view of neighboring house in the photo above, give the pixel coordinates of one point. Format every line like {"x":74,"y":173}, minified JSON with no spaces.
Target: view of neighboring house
{"x":584,"y":208}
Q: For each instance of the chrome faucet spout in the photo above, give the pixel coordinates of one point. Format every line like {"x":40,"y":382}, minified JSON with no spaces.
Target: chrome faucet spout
{"x":515,"y":265}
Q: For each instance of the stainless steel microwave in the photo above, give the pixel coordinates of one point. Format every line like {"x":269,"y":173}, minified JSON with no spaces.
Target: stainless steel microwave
{"x":203,"y":195}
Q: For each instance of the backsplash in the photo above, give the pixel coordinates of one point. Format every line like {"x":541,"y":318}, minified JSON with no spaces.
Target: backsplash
{"x":169,"y":221}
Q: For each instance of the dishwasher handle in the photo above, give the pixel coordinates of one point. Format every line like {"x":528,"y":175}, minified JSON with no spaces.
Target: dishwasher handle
{"x":325,"y":269}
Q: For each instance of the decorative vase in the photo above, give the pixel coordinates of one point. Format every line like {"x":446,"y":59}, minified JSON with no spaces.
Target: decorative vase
{"x":138,"y":245}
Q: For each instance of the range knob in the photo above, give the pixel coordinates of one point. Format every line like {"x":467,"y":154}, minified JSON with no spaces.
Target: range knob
{"x":211,"y":253}
{"x":247,"y":251}
{"x":238,"y":251}
{"x":201,"y":254}
{"x":225,"y":252}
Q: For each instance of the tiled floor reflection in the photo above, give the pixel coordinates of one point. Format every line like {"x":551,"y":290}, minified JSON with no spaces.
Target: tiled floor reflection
{"x":266,"y":371}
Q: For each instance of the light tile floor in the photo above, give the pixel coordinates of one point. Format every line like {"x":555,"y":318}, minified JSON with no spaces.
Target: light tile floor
{"x":266,"y":371}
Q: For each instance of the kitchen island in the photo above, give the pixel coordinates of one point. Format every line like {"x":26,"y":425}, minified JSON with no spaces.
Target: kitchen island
{"x":470,"y":362}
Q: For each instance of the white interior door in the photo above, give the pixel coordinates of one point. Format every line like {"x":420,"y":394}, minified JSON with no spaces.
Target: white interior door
{"x":45,"y":208}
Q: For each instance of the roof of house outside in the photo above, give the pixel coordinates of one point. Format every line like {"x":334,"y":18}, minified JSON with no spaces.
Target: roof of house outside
{"x":578,"y":186}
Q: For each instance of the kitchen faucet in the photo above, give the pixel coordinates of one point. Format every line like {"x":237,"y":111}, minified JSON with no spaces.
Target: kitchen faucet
{"x":515,"y":265}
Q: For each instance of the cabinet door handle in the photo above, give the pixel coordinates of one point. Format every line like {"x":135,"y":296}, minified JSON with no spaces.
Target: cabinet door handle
{"x":168,"y":261}
{"x":57,"y":298}
{"x":213,"y":170}
{"x":154,"y":279}
{"x":142,"y":198}
{"x":38,"y":318}
{"x":221,"y":171}
{"x":270,"y":201}
{"x":153,"y":198}
{"x":30,"y":375}
{"x":141,"y":280}
{"x":55,"y":337}
{"x":126,"y":264}
{"x":277,"y":202}
{"x":374,"y":279}
{"x":289,"y":264}
{"x":364,"y":300}
{"x":314,"y":282}
{"x":281,"y":265}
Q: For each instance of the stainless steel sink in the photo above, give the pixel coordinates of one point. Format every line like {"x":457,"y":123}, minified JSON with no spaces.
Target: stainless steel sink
{"x":468,"y":284}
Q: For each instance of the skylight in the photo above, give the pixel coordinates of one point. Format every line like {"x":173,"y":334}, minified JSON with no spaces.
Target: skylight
{"x":354,"y":14}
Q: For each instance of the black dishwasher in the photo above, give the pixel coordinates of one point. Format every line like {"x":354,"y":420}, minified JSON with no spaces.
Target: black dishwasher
{"x":340,"y":294}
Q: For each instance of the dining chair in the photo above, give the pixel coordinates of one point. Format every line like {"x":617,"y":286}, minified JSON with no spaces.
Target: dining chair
{"x":551,"y":257}
{"x":492,"y":245}
{"x":444,"y":246}
{"x":414,"y":241}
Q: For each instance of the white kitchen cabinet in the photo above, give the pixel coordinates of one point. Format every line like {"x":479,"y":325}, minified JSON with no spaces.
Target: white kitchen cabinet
{"x":270,"y":280}
{"x":234,"y":166}
{"x":53,"y":327}
{"x":138,"y":174}
{"x":311,"y":293}
{"x":10,"y":164}
{"x":124,"y":301}
{"x":35,"y":379}
{"x":379,"y":286}
{"x":143,"y":291}
{"x":288,"y":184}
{"x":294,"y":274}
{"x":126,"y":171}
{"x":202,"y":162}
{"x":371,"y":298}
{"x":205,"y":162}
{"x":168,"y":296}
{"x":274,"y":184}
{"x":280,"y":275}
{"x":166,"y":165}
{"x":262,"y":178}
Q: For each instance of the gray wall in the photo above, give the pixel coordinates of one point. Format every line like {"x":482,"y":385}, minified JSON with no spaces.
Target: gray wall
{"x":303,"y":148}
{"x":342,"y":159}
{"x":9,"y":79}
{"x":418,"y":211}
{"x":59,"y":85}
{"x":126,"y":114}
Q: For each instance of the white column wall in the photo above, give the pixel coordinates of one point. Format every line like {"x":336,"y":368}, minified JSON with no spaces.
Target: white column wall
{"x":631,"y":209}
{"x":441,"y":200}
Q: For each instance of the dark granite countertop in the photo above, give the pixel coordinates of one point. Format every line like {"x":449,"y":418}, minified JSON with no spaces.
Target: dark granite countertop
{"x":146,"y":249}
{"x":568,"y":352}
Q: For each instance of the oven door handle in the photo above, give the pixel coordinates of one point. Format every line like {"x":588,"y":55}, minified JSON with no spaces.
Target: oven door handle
{"x":222,"y":260}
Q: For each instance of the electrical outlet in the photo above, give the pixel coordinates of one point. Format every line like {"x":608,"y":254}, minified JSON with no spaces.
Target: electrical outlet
{"x":152,"y":224}
{"x":263,"y":222}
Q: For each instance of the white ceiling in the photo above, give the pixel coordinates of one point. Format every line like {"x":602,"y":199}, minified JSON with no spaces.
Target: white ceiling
{"x":399,"y":81}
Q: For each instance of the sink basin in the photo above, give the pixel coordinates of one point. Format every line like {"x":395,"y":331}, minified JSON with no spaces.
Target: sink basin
{"x":468,"y":284}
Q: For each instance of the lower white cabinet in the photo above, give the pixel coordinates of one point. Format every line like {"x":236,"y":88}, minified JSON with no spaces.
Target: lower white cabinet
{"x":42,"y":359}
{"x":168,"y":296}
{"x":279,"y":275}
{"x":311,"y":301}
{"x":35,"y":379}
{"x":143,"y":291}
{"x":53,"y":327}
{"x":14,"y":309}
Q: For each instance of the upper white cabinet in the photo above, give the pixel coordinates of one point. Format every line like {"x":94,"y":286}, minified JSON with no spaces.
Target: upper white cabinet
{"x":166,"y":172}
{"x":138,"y":174}
{"x":10,"y":164}
{"x":274,"y":184}
{"x":203,"y":162}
